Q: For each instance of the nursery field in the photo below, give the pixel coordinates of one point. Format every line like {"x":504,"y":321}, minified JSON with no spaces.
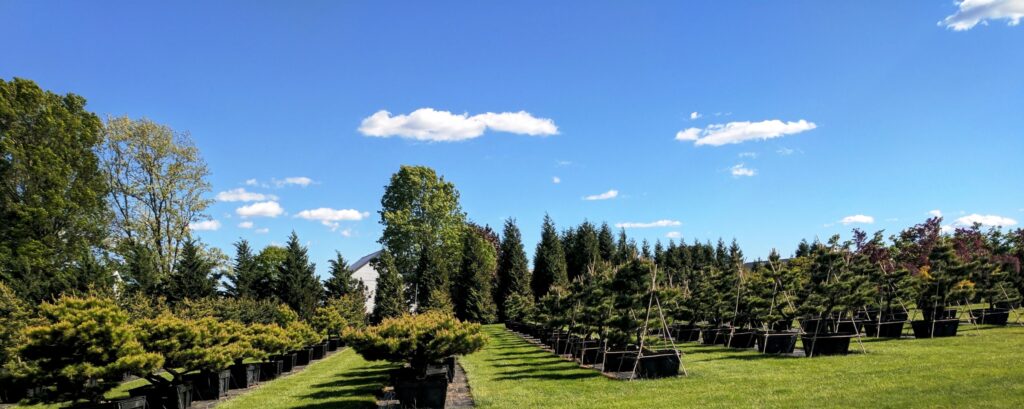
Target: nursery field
{"x":982,"y":370}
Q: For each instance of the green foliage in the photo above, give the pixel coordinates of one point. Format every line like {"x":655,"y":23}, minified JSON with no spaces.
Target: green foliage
{"x":417,"y":339}
{"x":341,"y":282}
{"x":632,"y":285}
{"x":420,"y":212}
{"x":328,"y":321}
{"x":549,"y":265}
{"x":158,"y":185}
{"x":269,"y":339}
{"x":519,"y":307}
{"x":193,"y":275}
{"x":833,"y":285}
{"x":592,"y":299}
{"x":474,"y":300}
{"x":206,"y":344}
{"x":247,"y":278}
{"x":771,"y":290}
{"x":297,"y":285}
{"x":303,"y":335}
{"x":388,"y":301}
{"x":582,"y":249}
{"x":83,"y":347}
{"x":434,"y":281}
{"x":52,"y":210}
{"x":945,"y":280}
{"x":891,"y":285}
{"x":606,"y":243}
{"x":513,"y":268}
{"x":244,"y":310}
{"x":14,"y":316}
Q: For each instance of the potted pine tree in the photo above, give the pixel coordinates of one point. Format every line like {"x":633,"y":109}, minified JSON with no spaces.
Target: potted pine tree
{"x":273,"y":341}
{"x":329,"y":322}
{"x":993,"y":279}
{"x":419,"y":342}
{"x":941,"y":283}
{"x":832,"y":292}
{"x":770,"y":302}
{"x":304,"y":338}
{"x":632,"y":287}
{"x":891,"y":285}
{"x":80,"y":349}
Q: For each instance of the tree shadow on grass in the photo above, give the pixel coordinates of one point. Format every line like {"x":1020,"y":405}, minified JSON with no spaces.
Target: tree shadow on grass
{"x":546,"y":374}
{"x":349,"y":390}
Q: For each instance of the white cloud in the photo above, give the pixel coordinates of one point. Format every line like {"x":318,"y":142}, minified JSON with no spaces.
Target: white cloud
{"x":674,"y":235}
{"x":428,"y":124}
{"x":611,"y":194}
{"x":984,"y":220}
{"x":752,"y":155}
{"x":262,"y":231}
{"x":241,"y":195}
{"x":857,"y":218}
{"x":251,"y":182}
{"x":246,"y":225}
{"x":694,"y":115}
{"x":935,"y":213}
{"x":205,"y":225}
{"x":556,"y":180}
{"x":260,"y":209}
{"x":741,"y":170}
{"x":564,"y":163}
{"x":295,"y":180}
{"x":346,"y":232}
{"x":785,"y":151}
{"x":659,"y":223}
{"x":330,"y":217}
{"x":974,"y":12}
{"x":737,"y":132}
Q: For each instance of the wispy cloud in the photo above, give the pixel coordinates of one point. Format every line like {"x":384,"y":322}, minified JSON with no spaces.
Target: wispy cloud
{"x":983,"y":219}
{"x":740,"y":170}
{"x":611,"y":194}
{"x":857,"y":219}
{"x":973,"y":12}
{"x":694,"y":115}
{"x":428,"y":124}
{"x":246,"y":225}
{"x":293,"y":181}
{"x":646,"y":225}
{"x":331,"y":217}
{"x":785,"y":151}
{"x":751,"y":155}
{"x":674,"y":235}
{"x":205,"y":225}
{"x":738,"y":132}
{"x":556,"y":180}
{"x":262,"y":231}
{"x":260,"y":209}
{"x":241,"y":195}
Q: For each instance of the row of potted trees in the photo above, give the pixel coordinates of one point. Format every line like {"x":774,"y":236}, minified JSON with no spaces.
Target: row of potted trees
{"x":79,"y":348}
{"x":425,"y":345}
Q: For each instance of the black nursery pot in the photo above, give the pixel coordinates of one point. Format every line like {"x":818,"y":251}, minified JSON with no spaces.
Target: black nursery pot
{"x":991,"y":316}
{"x":935,"y":329}
{"x":135,"y":402}
{"x":940,"y":313}
{"x":178,"y":396}
{"x":776,"y":342}
{"x":302,"y":356}
{"x":830,"y":344}
{"x":270,"y":370}
{"x":427,"y":392}
{"x":619,"y":361}
{"x":741,"y":339}
{"x":685,"y":333}
{"x":580,"y":345}
{"x":244,"y":375}
{"x":210,"y":385}
{"x":653,"y":363}
{"x":712,"y":336}
{"x":319,"y":351}
{"x":288,"y":361}
{"x":333,"y":344}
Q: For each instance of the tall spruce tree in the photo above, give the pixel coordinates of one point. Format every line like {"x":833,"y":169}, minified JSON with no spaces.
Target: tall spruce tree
{"x":194,"y":276}
{"x":433,"y":286}
{"x":245,"y":281}
{"x":52,"y":209}
{"x":606,"y":242}
{"x":389,"y":298}
{"x":513,"y":268}
{"x":297,"y":286}
{"x":473,"y":298}
{"x":549,"y":267}
{"x":340,"y":282}
{"x":583,"y":249}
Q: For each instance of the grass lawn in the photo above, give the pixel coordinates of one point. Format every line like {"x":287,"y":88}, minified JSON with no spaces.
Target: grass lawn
{"x":343,"y":380}
{"x":983,"y":370}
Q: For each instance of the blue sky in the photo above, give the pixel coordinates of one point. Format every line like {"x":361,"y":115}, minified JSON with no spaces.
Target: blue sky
{"x":906,"y":108}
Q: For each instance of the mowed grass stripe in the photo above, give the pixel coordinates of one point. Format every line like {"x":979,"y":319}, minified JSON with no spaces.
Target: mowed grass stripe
{"x":983,"y":370}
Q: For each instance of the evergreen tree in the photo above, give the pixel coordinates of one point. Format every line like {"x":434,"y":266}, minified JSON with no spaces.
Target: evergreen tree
{"x":245,"y":281}
{"x":549,"y":266}
{"x":513,"y":268}
{"x":472,"y":289}
{"x":606,"y":243}
{"x":268,"y":266}
{"x":52,"y":209}
{"x":298,"y":286}
{"x":625,"y":250}
{"x":193,"y":276}
{"x":433,"y":288}
{"x":340,"y":282}
{"x":138,"y":269}
{"x":389,"y":299}
{"x":645,"y":250}
{"x":582,"y":250}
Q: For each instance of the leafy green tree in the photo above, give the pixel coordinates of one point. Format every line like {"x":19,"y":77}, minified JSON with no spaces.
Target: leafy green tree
{"x":83,"y":347}
{"x":267,"y":273}
{"x":389,"y":300}
{"x":513,"y":267}
{"x":420,"y":212}
{"x":549,"y":266}
{"x":193,"y":276}
{"x":52,"y":212}
{"x":157,"y":185}
{"x":341,"y":282}
{"x":297,"y":285}
{"x":472,"y":290}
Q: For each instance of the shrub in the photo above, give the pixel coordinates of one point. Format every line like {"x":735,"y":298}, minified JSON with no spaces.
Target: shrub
{"x":82,"y":348}
{"x":13,"y":316}
{"x":269,"y":339}
{"x":417,"y":339}
{"x":328,"y":321}
{"x":303,"y":335}
{"x":195,"y":345}
{"x":243,"y":310}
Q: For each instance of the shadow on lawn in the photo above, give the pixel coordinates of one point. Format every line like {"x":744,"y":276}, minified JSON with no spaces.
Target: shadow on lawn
{"x":350,"y":390}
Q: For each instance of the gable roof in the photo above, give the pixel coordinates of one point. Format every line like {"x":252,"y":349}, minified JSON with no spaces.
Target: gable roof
{"x":363,"y":261}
